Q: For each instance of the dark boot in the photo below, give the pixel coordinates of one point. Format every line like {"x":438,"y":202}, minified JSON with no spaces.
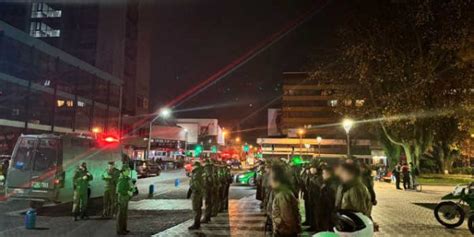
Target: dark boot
{"x":194,"y":227}
{"x":205,"y":220}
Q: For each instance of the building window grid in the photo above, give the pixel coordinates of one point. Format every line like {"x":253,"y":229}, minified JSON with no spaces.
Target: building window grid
{"x":41,"y":30}
{"x":43,"y":10}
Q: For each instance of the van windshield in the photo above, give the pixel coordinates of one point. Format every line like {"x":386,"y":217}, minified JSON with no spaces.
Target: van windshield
{"x":22,"y":159}
{"x":46,"y":154}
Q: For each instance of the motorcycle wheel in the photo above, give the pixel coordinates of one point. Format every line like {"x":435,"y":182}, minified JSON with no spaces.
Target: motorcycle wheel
{"x":470,"y":223}
{"x":449,"y":214}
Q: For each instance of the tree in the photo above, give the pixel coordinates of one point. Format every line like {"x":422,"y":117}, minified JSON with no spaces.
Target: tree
{"x":412,"y":64}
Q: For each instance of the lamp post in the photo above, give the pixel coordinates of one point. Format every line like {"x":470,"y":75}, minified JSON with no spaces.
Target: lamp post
{"x":307,"y":146}
{"x":301,"y":133}
{"x":186,"y":140}
{"x":319,"y":139}
{"x":164,"y":113}
{"x":347,"y":125}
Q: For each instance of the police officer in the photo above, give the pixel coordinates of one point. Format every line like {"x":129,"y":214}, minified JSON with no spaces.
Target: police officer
{"x":81,"y":180}
{"x":124,"y":193}
{"x":216,"y":191}
{"x":110,"y":176}
{"x":314,"y":188}
{"x":227,"y":182}
{"x":196,"y":194}
{"x":208,"y":180}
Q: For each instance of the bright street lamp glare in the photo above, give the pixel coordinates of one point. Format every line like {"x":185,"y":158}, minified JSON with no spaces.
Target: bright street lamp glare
{"x":165,"y":112}
{"x":300,"y":131}
{"x":347,"y":124}
{"x":319,"y":139}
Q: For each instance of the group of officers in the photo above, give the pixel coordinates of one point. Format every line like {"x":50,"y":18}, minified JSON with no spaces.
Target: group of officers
{"x":209,"y":182}
{"x":324,"y":189}
{"x":119,"y":189}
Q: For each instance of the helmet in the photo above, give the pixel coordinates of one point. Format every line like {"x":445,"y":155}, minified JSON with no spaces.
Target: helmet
{"x":353,"y":224}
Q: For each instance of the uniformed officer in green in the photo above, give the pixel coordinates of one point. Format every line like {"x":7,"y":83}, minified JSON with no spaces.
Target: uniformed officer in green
{"x":208,"y":180}
{"x":81,"y":180}
{"x":124,"y":193}
{"x":196,"y":194}
{"x":216,"y":203}
{"x":110,"y":176}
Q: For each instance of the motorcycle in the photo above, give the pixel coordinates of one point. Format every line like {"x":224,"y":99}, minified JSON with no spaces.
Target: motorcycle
{"x":451,"y":212}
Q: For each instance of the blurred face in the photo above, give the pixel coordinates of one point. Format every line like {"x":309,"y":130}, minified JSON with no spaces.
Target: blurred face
{"x":326,"y":174}
{"x":273,"y":183}
{"x":345,"y":176}
{"x":313,"y":170}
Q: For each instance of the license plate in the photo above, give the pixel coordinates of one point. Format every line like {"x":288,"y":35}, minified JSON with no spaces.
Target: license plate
{"x":40,"y":185}
{"x":18,"y":191}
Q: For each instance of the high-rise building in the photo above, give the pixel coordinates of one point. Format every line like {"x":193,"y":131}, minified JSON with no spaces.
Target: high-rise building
{"x":84,"y":53}
{"x":307,"y":124}
{"x":112,"y":37}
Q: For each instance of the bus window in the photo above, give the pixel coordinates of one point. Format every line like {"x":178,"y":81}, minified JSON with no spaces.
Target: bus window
{"x":22,"y":157}
{"x":46,"y":155}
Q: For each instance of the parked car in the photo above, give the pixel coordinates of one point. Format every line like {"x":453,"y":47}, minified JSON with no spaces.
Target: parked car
{"x":248,"y":177}
{"x":235,"y":164}
{"x":147,"y":168}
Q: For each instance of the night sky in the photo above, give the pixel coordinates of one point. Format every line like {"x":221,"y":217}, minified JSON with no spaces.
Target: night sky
{"x":195,"y":38}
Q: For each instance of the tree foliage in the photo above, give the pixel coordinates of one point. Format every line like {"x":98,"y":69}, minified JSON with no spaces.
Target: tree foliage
{"x":412,"y":64}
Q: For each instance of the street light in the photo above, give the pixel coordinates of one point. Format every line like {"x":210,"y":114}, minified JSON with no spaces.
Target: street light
{"x":347,"y":125}
{"x":319,"y":139}
{"x":164,"y":113}
{"x":237,"y":139}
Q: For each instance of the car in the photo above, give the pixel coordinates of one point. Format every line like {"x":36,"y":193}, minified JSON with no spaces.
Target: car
{"x":247,"y":177}
{"x":147,"y":168}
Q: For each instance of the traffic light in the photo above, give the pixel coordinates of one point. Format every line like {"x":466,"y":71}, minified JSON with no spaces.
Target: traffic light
{"x":197,"y":150}
{"x":214,"y":149}
{"x":246,"y":147}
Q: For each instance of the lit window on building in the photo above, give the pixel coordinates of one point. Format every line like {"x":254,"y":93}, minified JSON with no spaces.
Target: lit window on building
{"x":47,"y":83}
{"x":60,"y":103}
{"x":347,"y":102}
{"x":41,"y":30}
{"x":332,"y":103}
{"x":359,"y":103}
{"x":69,"y":103}
{"x":43,"y":10}
{"x":81,"y":103}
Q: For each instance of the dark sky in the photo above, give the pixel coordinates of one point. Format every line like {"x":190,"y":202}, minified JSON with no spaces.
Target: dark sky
{"x":195,"y":38}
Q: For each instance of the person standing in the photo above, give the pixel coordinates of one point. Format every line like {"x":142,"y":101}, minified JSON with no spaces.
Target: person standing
{"x":110,"y":176}
{"x":208,"y":180}
{"x":285,"y":212}
{"x":81,"y":180}
{"x":368,"y":181}
{"x":328,"y":198}
{"x":352,"y":194}
{"x":314,"y":188}
{"x":397,"y":172}
{"x":406,"y":176}
{"x":305,"y":189}
{"x":196,"y":194}
{"x":216,"y":203}
{"x":124,"y":193}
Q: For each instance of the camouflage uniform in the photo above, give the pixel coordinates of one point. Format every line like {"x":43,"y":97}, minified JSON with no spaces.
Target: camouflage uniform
{"x":124,"y":193}
{"x":216,"y":191}
{"x":285,"y":213}
{"x":208,"y":180}
{"x":196,"y":193}
{"x":110,"y":176}
{"x":81,"y":181}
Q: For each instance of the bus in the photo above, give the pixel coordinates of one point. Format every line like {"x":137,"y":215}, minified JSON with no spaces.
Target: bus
{"x":42,"y":166}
